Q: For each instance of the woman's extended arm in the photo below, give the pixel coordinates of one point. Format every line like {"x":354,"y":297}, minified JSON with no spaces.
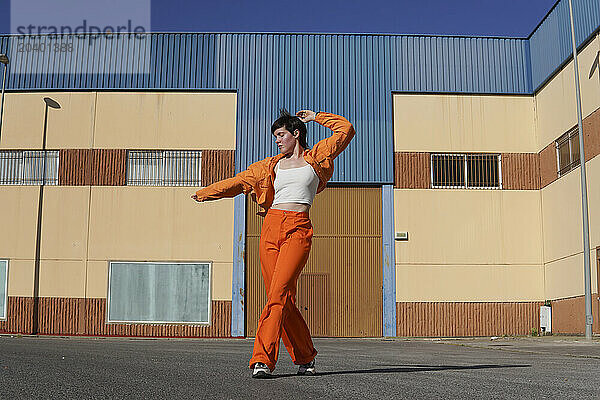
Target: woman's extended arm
{"x":231,"y":187}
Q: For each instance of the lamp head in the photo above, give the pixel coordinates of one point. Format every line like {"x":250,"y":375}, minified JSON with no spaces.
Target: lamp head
{"x":4,"y":59}
{"x":51,"y":103}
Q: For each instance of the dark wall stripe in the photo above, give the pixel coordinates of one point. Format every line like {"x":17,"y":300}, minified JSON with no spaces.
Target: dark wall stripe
{"x":77,"y":316}
{"x":435,"y":319}
{"x":74,"y":167}
{"x":520,"y":171}
{"x":591,"y":135}
{"x":97,"y":167}
{"x":412,"y":170}
{"x":109,"y":167}
{"x":548,"y":166}
{"x":19,"y":316}
{"x":217,"y":165}
{"x":568,"y":315}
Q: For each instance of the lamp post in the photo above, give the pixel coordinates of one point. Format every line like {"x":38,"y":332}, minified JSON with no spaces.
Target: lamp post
{"x":4,"y":60}
{"x":49,"y":103}
{"x":584,"y":200}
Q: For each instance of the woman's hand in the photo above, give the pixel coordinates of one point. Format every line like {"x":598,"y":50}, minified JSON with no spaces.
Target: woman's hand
{"x":306,"y":115}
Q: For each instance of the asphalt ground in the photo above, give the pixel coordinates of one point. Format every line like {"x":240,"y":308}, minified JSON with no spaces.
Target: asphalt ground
{"x":124,"y":368}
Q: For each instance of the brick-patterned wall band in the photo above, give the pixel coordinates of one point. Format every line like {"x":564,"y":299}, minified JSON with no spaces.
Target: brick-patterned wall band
{"x":412,"y":170}
{"x":217,"y":165}
{"x":96,"y":167}
{"x":437,"y":319}
{"x":520,"y":171}
{"x":77,"y":316}
{"x":108,"y":167}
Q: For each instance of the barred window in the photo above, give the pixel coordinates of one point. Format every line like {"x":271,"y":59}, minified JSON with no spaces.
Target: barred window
{"x":164,"y":168}
{"x":567,"y":151}
{"x":18,"y":167}
{"x":466,"y":171}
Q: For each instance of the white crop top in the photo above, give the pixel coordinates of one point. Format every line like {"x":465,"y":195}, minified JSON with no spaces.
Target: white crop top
{"x":295,"y":185}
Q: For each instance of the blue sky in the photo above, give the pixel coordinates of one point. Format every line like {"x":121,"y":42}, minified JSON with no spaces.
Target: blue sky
{"x":512,"y":18}
{"x":461,"y":17}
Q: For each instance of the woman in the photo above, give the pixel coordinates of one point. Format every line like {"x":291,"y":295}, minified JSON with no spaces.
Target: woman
{"x":284,"y":186}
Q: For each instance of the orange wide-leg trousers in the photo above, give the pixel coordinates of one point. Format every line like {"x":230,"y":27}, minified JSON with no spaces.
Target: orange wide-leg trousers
{"x":285,"y":242}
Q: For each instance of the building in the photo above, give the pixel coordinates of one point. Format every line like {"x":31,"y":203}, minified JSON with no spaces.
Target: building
{"x":464,"y":150}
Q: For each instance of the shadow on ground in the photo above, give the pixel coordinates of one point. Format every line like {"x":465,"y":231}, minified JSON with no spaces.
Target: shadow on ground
{"x":412,"y":368}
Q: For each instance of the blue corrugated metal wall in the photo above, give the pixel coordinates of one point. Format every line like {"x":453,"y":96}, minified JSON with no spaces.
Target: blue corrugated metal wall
{"x":353,"y":75}
{"x":551,"y":42}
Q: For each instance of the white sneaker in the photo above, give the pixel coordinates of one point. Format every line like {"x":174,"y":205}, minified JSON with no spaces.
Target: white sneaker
{"x":307,"y":369}
{"x":261,"y":371}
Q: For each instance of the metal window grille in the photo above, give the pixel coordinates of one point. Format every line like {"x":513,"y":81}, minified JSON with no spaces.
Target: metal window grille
{"x":37,"y":167}
{"x":466,"y":171}
{"x":164,"y":168}
{"x":567,"y":151}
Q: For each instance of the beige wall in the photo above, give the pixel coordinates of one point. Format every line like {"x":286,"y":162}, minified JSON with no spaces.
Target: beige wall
{"x":70,"y":126}
{"x":166,"y":120}
{"x":499,"y":227}
{"x":156,"y":223}
{"x":450,"y":123}
{"x":565,"y":277}
{"x":467,"y":245}
{"x":446,"y":283}
{"x":18,"y":216}
{"x":65,"y":222}
{"x":556,"y":104}
{"x":62,"y":278}
{"x":563,"y":233}
{"x":20,"y":277}
{"x":130,"y":120}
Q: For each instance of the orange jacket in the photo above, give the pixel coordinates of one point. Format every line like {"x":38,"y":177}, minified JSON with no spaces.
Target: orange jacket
{"x":258,"y":178}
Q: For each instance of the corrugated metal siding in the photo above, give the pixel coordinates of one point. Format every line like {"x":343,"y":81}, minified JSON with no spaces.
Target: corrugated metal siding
{"x":548,"y":167}
{"x":412,"y":170}
{"x":352,"y":75}
{"x":550,"y":43}
{"x":217,"y":165}
{"x":568,"y":316}
{"x":466,"y":319}
{"x":97,"y":167}
{"x":76,"y":316}
{"x":313,"y":302}
{"x":73,"y":169}
{"x":19,"y":316}
{"x":109,"y":167}
{"x":591,"y":135}
{"x":520,"y":171}
{"x":346,"y":252}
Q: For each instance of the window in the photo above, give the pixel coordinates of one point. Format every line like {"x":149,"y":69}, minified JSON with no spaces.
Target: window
{"x":28,"y":167}
{"x":3,"y":287}
{"x":146,"y":292}
{"x":467,"y":171}
{"x":567,"y":151}
{"x":164,"y":168}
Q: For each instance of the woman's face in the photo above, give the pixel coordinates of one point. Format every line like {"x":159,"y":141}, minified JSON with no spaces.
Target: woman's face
{"x":285,"y":141}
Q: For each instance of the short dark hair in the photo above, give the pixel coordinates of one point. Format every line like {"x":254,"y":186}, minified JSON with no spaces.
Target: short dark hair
{"x":291,"y":123}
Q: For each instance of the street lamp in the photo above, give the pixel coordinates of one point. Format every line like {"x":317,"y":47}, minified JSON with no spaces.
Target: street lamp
{"x":4,"y":60}
{"x":584,"y":200}
{"x":49,"y":103}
